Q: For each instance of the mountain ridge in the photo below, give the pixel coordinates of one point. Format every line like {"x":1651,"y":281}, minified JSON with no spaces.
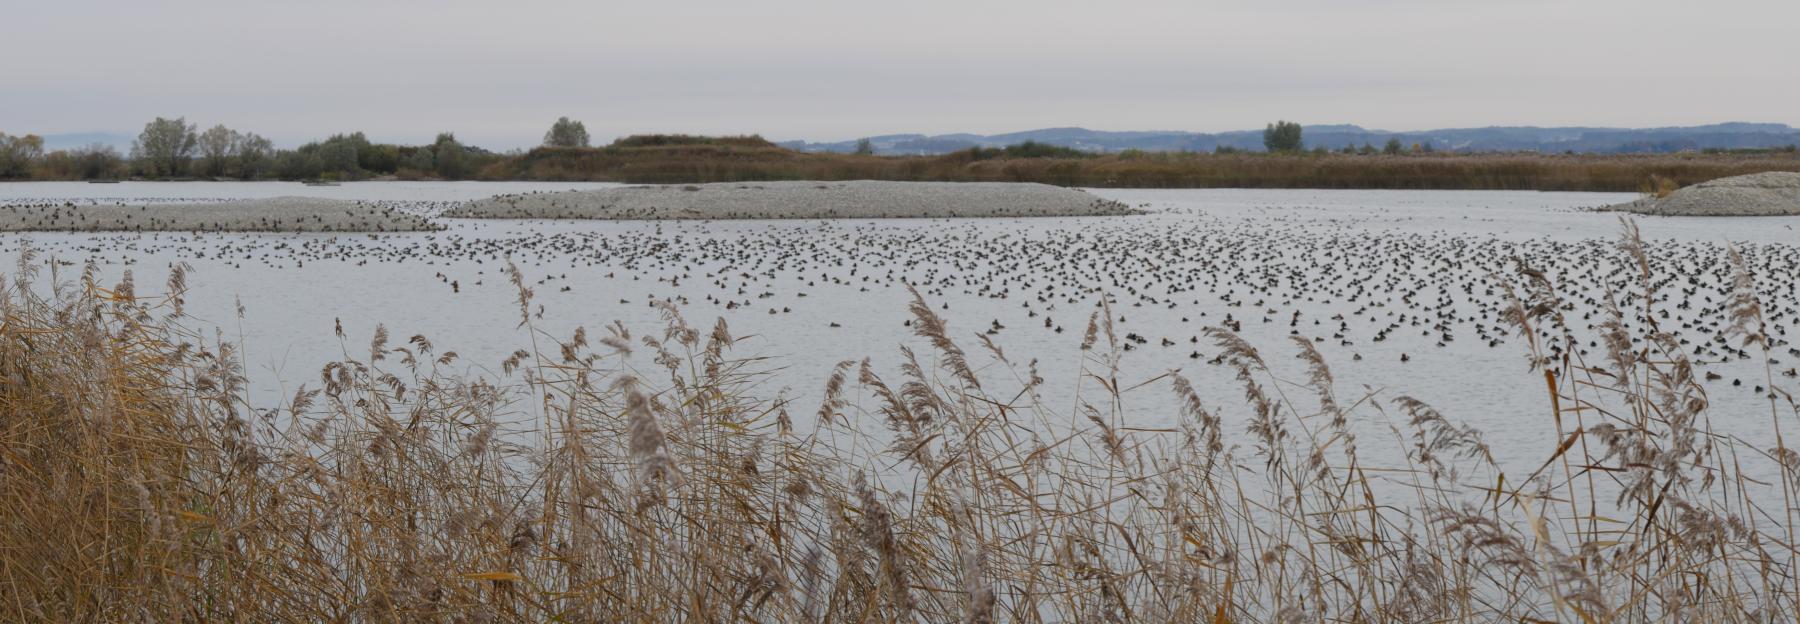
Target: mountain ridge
{"x":1581,"y":139}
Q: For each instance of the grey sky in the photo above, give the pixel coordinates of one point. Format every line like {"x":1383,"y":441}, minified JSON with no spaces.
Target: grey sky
{"x":498,"y":71}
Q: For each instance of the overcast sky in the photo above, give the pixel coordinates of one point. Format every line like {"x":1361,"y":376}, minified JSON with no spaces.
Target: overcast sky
{"x":497,"y":72}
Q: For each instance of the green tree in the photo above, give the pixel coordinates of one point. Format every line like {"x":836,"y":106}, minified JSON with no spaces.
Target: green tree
{"x":449,"y":156}
{"x":300,"y":164}
{"x":367,"y":153}
{"x":421,"y":160}
{"x":1393,"y":147}
{"x":347,"y":156}
{"x":566,"y":133}
{"x":1283,"y":136}
{"x":865,"y":147}
{"x":340,"y":158}
{"x":380,"y":158}
{"x":164,"y":147}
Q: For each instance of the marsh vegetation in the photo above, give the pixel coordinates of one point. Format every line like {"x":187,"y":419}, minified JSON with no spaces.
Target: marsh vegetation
{"x":175,"y":149}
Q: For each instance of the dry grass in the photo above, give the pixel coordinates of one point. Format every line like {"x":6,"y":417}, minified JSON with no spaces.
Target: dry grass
{"x":643,"y":480}
{"x":1658,"y":187}
{"x":670,"y":162}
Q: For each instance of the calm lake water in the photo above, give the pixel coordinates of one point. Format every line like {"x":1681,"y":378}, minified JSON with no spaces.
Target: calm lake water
{"x":1420,"y":270}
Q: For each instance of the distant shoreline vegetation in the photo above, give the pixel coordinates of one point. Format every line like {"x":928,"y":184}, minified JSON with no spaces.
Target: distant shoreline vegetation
{"x":172,"y":149}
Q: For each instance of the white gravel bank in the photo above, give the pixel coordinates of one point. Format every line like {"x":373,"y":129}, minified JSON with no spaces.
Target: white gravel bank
{"x":1775,"y":193}
{"x":799,"y":200}
{"x":277,"y":214}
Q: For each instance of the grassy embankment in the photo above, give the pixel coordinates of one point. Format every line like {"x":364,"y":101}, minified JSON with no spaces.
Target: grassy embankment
{"x":673,"y":160}
{"x":651,"y":483}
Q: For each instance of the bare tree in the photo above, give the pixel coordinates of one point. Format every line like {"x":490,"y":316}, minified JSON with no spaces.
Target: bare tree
{"x":18,"y":154}
{"x":97,"y":161}
{"x":164,"y":147}
{"x":218,"y":145}
{"x":566,"y":133}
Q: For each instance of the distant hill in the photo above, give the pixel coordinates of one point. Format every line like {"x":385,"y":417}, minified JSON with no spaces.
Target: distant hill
{"x":1735,"y":135}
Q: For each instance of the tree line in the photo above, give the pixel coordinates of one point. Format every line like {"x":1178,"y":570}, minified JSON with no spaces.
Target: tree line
{"x":1288,"y":137}
{"x":176,"y":149}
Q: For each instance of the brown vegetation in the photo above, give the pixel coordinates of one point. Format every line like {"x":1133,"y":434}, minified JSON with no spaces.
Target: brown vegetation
{"x":685,"y":159}
{"x":701,"y":161}
{"x":138,"y":483}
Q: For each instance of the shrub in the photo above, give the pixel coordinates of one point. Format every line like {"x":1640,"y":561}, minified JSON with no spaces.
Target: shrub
{"x":659,"y":140}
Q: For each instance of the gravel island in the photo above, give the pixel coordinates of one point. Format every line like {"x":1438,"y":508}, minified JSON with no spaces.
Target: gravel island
{"x":799,"y":200}
{"x":1776,"y":193}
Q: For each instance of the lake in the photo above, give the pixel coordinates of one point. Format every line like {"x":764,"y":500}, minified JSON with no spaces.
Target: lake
{"x":1399,"y":290}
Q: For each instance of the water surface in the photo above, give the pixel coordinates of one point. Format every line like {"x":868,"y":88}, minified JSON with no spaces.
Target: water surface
{"x":1425,"y":265}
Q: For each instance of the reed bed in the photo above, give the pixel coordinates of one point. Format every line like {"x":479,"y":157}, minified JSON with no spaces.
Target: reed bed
{"x":688,"y":163}
{"x":606,"y":476}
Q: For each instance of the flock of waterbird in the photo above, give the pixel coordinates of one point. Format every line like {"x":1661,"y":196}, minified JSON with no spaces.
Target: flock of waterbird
{"x":269,"y":214}
{"x":1164,"y":277}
